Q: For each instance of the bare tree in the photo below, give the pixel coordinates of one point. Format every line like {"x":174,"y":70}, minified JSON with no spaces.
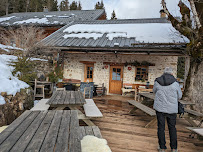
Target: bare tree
{"x":194,"y":84}
{"x":25,"y":37}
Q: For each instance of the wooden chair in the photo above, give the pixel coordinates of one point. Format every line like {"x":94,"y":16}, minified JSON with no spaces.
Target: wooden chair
{"x":100,"y":90}
{"x":41,"y":87}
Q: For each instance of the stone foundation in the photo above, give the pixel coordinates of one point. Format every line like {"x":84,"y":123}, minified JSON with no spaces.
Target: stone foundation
{"x":73,"y":69}
{"x":15,"y":105}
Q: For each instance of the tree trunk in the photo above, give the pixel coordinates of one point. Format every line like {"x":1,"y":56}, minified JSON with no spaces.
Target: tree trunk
{"x":7,"y":5}
{"x":194,"y":85}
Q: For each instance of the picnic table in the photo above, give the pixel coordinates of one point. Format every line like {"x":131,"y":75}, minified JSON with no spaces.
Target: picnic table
{"x":53,"y":130}
{"x":147,"y":102}
{"x":71,"y":99}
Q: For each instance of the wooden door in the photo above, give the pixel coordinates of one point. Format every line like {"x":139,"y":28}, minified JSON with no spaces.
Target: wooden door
{"x":89,"y":71}
{"x":116,"y":79}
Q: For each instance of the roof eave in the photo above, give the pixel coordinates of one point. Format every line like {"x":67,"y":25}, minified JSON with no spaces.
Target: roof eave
{"x":127,"y":50}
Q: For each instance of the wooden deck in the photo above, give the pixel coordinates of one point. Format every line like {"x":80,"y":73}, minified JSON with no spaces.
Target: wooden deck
{"x":126,"y":133}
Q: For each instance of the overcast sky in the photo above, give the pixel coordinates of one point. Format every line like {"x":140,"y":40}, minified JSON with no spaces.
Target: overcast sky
{"x":128,"y":9}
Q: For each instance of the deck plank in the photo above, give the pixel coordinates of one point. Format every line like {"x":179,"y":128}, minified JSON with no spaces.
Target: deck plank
{"x":16,"y":134}
{"x":96,"y":131}
{"x":52,"y":98}
{"x":63,"y":135}
{"x":58,"y":97}
{"x":89,"y":131}
{"x":24,"y":140}
{"x":62,"y":99}
{"x":72,"y":98}
{"x":74,"y":143}
{"x":38,"y":138}
{"x":13,"y":126}
{"x":51,"y":136}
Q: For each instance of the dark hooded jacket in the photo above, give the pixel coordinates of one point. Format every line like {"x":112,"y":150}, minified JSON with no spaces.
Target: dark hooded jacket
{"x":167,"y":92}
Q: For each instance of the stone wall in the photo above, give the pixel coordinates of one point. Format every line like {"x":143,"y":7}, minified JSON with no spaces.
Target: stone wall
{"x":73,"y":69}
{"x":15,"y":105}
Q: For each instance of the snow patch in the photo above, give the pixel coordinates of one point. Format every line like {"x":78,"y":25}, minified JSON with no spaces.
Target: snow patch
{"x":9,"y":83}
{"x":151,"y":32}
{"x":2,"y":19}
{"x":33,"y":20}
{"x":7,"y":47}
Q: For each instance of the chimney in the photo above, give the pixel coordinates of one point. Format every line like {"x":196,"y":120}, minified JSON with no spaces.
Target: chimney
{"x":45,"y":9}
{"x":162,"y":13}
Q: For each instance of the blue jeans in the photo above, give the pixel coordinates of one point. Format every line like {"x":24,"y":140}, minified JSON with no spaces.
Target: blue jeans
{"x":171,"y":121}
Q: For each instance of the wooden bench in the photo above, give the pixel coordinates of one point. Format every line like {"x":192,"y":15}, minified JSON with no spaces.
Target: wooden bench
{"x":199,"y":132}
{"x":194,"y":114}
{"x":145,"y":109}
{"x":91,"y":110}
{"x":41,"y":105}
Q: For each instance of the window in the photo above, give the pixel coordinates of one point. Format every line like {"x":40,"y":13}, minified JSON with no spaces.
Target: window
{"x":141,"y":73}
{"x":89,"y":70}
{"x":116,"y":74}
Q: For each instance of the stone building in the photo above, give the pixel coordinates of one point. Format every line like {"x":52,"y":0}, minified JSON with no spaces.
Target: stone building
{"x":117,"y":52}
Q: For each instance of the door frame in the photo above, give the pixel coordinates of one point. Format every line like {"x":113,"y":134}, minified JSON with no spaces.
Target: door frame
{"x":110,"y":76}
{"x":85,"y":74}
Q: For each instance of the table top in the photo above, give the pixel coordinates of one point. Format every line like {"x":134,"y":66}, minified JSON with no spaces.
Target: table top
{"x":65,"y":98}
{"x":43,"y":131}
{"x":152,"y":96}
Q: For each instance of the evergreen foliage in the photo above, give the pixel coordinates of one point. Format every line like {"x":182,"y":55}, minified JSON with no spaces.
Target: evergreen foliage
{"x":113,"y":16}
{"x":56,"y":74}
{"x":99,"y":5}
{"x":74,"y":5}
{"x":64,"y":5}
{"x":79,"y":6}
{"x":15,"y":6}
{"x":23,"y":68}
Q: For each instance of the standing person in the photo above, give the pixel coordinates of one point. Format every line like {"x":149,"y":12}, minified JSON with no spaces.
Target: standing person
{"x":167,"y":92}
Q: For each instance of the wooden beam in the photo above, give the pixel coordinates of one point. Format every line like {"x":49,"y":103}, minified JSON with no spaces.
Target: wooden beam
{"x":87,"y":62}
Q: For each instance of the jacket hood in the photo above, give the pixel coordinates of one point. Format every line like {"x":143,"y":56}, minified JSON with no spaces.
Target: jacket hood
{"x":169,"y":79}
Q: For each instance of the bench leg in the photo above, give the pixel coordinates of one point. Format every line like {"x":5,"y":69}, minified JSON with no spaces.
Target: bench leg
{"x":133,"y":110}
{"x":82,"y":116}
{"x":191,"y":121}
{"x":60,"y":108}
{"x":151,"y":123}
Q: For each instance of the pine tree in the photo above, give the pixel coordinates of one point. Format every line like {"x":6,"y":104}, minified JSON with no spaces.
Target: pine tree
{"x":73,"y":5}
{"x":64,"y":6}
{"x":79,"y":6}
{"x":99,"y":5}
{"x":113,"y":16}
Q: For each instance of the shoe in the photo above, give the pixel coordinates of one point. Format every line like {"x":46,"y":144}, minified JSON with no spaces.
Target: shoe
{"x":161,"y":150}
{"x":174,"y":150}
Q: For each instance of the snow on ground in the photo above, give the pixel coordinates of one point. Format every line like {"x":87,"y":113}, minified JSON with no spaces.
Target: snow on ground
{"x":2,"y":19}
{"x":6,"y":48}
{"x":151,"y":32}
{"x":8,"y":82}
{"x":33,"y":20}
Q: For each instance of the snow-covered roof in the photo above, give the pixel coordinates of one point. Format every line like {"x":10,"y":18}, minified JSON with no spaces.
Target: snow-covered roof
{"x":152,"y":33}
{"x":7,"y":48}
{"x":125,"y":33}
{"x":49,"y":18}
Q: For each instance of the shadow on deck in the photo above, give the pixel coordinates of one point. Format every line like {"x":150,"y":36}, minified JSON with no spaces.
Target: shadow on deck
{"x":126,"y":133}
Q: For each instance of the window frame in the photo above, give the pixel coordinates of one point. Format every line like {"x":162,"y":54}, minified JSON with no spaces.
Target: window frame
{"x":85,"y":73}
{"x":147,"y":72}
